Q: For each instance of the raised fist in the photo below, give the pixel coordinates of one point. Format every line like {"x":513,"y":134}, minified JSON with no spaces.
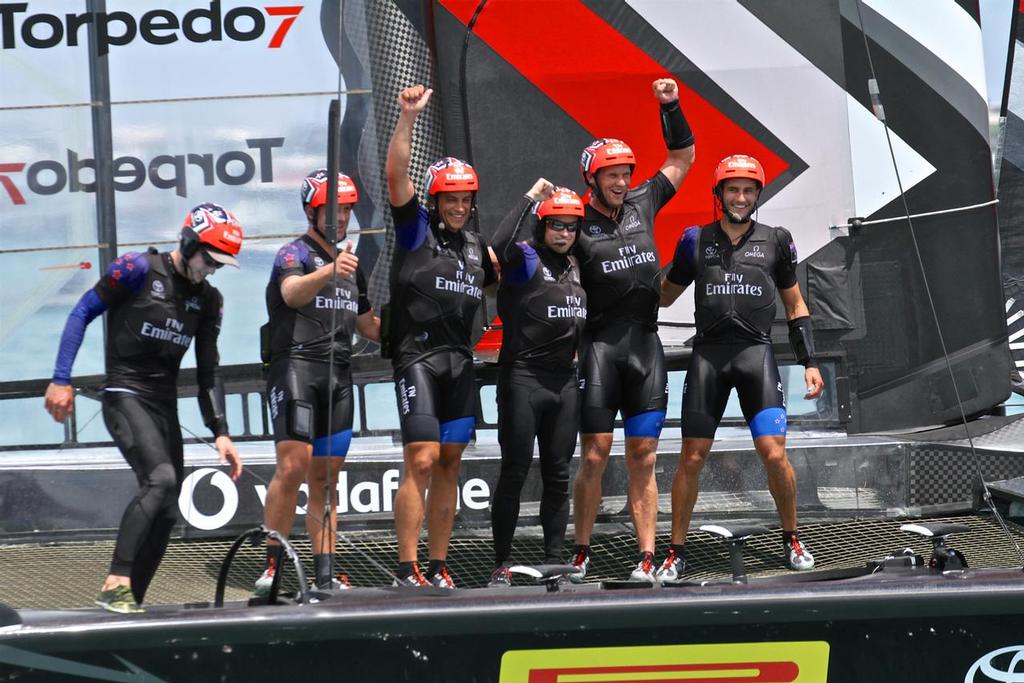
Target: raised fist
{"x":666,"y":90}
{"x":414,"y":99}
{"x":541,"y":190}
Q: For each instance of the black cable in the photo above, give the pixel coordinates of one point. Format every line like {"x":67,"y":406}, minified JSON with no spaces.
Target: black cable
{"x":332,"y":203}
{"x":463,"y":94}
{"x":464,"y":97}
{"x":875,"y":94}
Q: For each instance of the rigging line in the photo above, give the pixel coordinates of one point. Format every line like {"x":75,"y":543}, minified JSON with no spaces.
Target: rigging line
{"x":464,"y":101}
{"x":333,"y":153}
{"x":880,"y":114}
{"x":169,"y":100}
{"x":926,"y":214}
{"x":147,"y":243}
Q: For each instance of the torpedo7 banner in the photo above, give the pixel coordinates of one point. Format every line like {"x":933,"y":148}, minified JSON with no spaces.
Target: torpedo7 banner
{"x":206,"y":100}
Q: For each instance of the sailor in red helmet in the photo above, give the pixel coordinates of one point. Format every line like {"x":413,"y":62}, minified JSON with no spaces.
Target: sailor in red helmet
{"x":156,"y":304}
{"x":316,"y":299}
{"x":737,"y":265}
{"x":543,"y":308}
{"x":438,"y":273}
{"x":622,"y":365}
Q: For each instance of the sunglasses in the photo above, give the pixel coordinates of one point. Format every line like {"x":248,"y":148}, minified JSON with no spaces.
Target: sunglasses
{"x":559,"y":226}
{"x":209,"y":261}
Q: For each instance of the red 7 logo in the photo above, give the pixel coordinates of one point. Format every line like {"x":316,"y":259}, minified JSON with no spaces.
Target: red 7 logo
{"x":12,"y":190}
{"x":291,"y":12}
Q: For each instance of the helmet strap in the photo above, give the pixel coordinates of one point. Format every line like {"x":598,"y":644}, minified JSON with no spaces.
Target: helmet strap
{"x":595,"y":188}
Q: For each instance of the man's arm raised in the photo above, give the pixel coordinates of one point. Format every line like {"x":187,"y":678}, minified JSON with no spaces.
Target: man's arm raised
{"x":678,"y":137}
{"x":411,"y":102}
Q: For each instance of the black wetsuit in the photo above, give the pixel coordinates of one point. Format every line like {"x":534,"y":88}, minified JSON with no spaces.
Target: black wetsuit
{"x":543,"y":308}
{"x":437,"y":282}
{"x":300,"y":388}
{"x":622,"y":364}
{"x":153,"y":314}
{"x":734,"y":290}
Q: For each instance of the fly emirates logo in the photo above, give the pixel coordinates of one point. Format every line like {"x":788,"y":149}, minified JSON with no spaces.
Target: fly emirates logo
{"x":464,"y":283}
{"x":734,"y":284}
{"x":572,"y":309}
{"x":173,"y":331}
{"x":341,"y":301}
{"x":629,"y":256}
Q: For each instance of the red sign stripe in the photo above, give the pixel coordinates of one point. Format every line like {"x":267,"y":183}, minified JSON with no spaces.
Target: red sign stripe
{"x":766,"y":672}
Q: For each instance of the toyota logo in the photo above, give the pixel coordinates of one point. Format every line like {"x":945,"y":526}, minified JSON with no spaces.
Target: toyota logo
{"x":1008,"y":669}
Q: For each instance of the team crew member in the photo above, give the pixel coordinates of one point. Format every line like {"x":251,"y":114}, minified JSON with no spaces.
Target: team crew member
{"x":622,"y":365}
{"x":438,"y":274}
{"x":156,"y":304}
{"x":737,"y":265}
{"x":543,"y":308}
{"x":309,"y":386}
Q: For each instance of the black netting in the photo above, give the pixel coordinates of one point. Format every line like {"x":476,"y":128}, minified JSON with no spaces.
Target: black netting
{"x":69,"y":574}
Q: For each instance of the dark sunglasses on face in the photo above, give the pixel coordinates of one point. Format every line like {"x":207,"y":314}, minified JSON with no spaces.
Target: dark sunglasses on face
{"x":559,"y":226}
{"x":209,"y":261}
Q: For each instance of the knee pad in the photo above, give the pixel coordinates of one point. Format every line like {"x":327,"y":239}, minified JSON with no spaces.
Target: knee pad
{"x":646,"y":424}
{"x":162,"y":478}
{"x":769,"y":422}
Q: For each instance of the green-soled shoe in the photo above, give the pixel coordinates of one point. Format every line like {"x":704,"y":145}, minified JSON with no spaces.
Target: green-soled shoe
{"x":119,"y":599}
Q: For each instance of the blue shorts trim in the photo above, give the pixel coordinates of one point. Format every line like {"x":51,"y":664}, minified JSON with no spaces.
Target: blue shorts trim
{"x":459,"y":430}
{"x":645,"y":424}
{"x":769,"y":422}
{"x":339,"y":444}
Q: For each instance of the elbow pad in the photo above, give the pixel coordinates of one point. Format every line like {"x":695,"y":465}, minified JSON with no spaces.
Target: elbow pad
{"x":674,"y":127}
{"x":801,"y":339}
{"x":211,"y":405}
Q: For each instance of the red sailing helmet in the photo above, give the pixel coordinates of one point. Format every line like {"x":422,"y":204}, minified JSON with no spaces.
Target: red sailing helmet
{"x":563,"y":202}
{"x":314,"y":189}
{"x":450,"y":175}
{"x":605,"y":152}
{"x":739,"y":166}
{"x":214,"y":227}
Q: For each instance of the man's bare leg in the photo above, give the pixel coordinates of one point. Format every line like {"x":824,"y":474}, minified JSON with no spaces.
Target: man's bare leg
{"x":442,"y":498}
{"x":587,"y":487}
{"x":641,"y":455}
{"x":321,"y":537}
{"x":409,"y":500}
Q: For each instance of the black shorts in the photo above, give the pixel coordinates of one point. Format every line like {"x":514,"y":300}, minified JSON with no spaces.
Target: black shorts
{"x":437,"y":399}
{"x":622,"y":368}
{"x":714,"y":370}
{"x":301,"y":394}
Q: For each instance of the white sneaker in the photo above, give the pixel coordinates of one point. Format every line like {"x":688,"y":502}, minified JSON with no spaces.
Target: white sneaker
{"x":338,"y":583}
{"x":442,"y":579}
{"x":644,"y":569}
{"x":581,"y":561}
{"x":672,"y":568}
{"x":265,"y":581}
{"x":798,"y":556}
